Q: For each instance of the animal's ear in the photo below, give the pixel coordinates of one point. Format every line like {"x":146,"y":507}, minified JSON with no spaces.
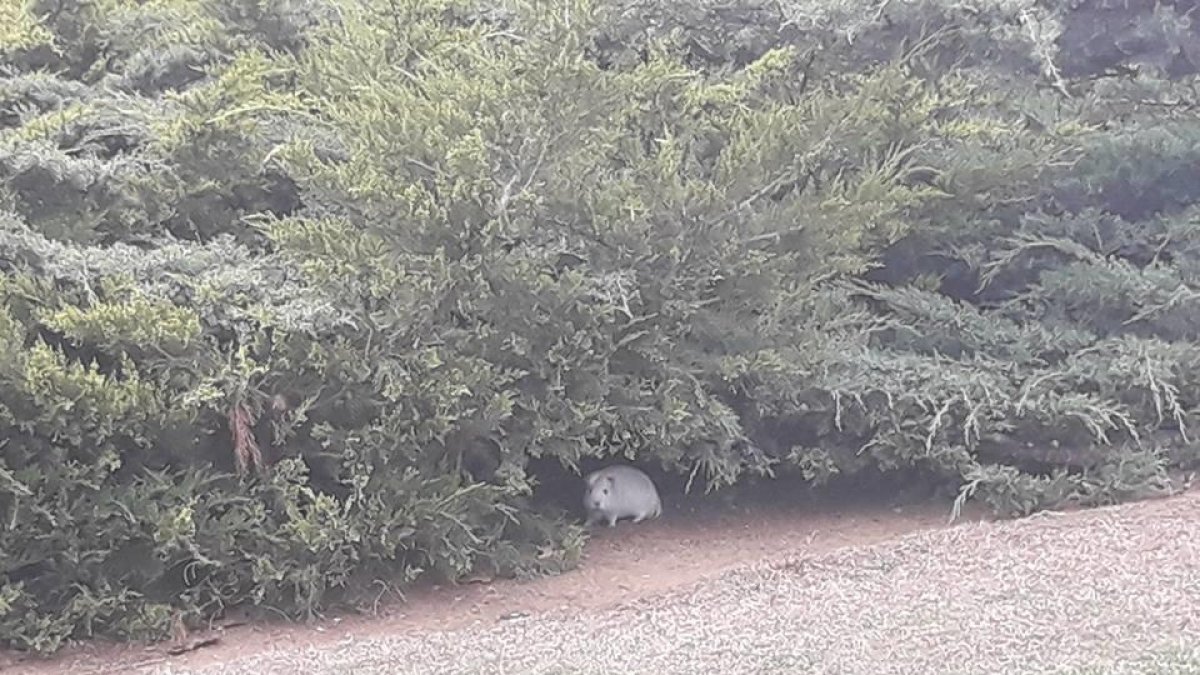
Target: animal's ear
{"x":611,"y":479}
{"x":590,"y":478}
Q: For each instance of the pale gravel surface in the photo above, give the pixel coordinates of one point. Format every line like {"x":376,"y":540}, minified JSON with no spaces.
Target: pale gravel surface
{"x":1101,"y":587}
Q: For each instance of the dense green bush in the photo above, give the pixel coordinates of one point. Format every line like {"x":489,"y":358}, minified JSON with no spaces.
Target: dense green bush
{"x":295,"y":289}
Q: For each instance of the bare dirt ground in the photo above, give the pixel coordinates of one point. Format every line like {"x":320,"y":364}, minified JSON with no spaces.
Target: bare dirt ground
{"x":839,"y":588}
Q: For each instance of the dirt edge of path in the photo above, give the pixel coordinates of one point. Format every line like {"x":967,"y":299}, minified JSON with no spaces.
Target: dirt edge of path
{"x":620,"y":566}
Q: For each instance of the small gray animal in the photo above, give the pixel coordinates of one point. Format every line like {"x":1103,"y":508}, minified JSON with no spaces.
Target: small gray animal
{"x":620,"y":491}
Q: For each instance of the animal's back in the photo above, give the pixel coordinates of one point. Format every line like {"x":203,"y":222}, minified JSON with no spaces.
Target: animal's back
{"x":635,"y":486}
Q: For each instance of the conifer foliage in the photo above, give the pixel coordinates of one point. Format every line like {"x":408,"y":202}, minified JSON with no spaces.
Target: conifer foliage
{"x":294,"y":290}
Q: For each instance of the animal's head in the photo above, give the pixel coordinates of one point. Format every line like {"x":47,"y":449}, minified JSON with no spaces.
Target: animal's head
{"x":599,"y":490}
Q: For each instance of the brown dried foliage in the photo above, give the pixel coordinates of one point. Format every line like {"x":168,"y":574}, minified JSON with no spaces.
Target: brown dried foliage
{"x":246,"y":453}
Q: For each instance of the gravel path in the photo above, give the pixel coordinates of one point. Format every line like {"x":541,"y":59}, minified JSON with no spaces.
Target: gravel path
{"x":1057,"y":591}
